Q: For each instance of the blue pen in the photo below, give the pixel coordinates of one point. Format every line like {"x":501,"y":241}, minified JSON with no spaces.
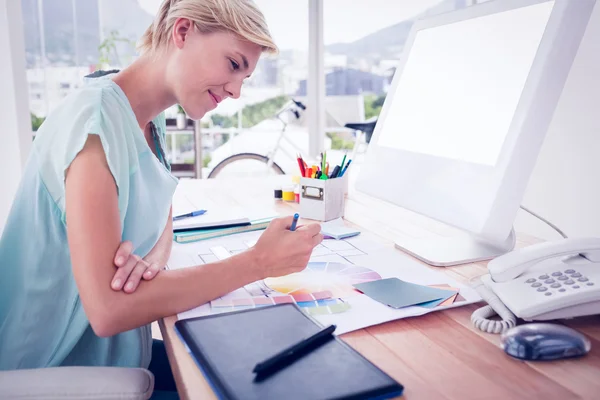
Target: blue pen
{"x":294,"y":222}
{"x":188,"y":215}
{"x":345,"y":168}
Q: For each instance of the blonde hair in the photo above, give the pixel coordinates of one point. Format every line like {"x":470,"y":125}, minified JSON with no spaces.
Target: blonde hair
{"x":241,"y":17}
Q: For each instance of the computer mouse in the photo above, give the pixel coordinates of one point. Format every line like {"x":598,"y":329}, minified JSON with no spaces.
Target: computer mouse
{"x":544,"y":341}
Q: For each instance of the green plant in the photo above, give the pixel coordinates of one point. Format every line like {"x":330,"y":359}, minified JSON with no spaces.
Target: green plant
{"x":180,"y":109}
{"x":108,"y":49}
{"x":252,"y":114}
{"x":36,"y":122}
{"x":373,"y":105}
{"x":337,"y":143}
{"x":207,"y":159}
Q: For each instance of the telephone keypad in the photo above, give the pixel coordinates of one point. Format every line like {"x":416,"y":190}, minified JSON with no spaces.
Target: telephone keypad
{"x":552,"y":282}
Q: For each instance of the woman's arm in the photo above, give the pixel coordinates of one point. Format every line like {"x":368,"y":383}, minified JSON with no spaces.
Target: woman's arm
{"x":132,"y":269}
{"x":161,"y":251}
{"x":93,"y":208}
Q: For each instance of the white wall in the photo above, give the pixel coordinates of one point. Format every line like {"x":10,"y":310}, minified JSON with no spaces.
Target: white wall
{"x":565,"y":185}
{"x":15,"y":135}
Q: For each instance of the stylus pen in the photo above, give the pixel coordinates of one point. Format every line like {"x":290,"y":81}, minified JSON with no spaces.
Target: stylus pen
{"x":294,"y":222}
{"x":290,"y":354}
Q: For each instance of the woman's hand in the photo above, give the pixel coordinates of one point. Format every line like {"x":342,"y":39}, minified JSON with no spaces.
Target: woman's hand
{"x":131,"y":269}
{"x":280,"y":251}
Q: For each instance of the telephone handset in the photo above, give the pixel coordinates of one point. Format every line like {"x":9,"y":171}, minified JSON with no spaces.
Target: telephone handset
{"x":555,"y":289}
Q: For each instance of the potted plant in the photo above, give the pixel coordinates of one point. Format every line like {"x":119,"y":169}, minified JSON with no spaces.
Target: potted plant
{"x":181,"y":118}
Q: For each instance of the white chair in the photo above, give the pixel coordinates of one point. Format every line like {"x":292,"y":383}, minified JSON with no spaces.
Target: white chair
{"x":90,"y":383}
{"x":64,"y":383}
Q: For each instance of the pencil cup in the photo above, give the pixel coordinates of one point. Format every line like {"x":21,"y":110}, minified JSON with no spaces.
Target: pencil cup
{"x":322,"y":200}
{"x":345,"y":180}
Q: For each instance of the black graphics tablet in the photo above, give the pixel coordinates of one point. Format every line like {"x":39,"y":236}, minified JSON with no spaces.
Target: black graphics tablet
{"x":227,"y":346}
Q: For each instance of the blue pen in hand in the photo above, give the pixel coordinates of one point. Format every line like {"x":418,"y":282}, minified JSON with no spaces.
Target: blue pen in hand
{"x":188,"y":215}
{"x":294,"y":222}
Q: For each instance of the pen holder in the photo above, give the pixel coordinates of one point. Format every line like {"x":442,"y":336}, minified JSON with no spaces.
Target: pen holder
{"x":322,"y":200}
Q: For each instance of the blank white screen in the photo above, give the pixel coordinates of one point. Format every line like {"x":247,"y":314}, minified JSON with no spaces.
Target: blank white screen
{"x":461,"y":84}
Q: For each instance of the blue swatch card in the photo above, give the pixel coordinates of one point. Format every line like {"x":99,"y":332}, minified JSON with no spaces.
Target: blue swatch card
{"x":397,"y":293}
{"x":435,"y":303}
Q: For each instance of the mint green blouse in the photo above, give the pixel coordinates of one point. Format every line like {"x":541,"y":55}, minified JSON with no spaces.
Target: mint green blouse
{"x":42,"y":321}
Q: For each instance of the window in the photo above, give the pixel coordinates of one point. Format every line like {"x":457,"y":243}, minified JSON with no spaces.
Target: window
{"x":247,"y":124}
{"x":61,"y":46}
{"x":68,"y":39}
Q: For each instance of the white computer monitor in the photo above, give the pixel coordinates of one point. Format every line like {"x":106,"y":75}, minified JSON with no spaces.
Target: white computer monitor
{"x":466,"y":115}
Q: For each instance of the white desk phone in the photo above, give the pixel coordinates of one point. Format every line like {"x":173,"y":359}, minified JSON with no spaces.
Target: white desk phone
{"x":552,"y":280}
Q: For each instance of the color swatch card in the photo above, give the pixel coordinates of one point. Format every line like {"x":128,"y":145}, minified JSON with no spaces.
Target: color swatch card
{"x":317,"y":303}
{"x":397,"y":293}
{"x":455,"y":298}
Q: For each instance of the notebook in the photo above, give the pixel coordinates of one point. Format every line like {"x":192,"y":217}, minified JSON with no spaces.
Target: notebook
{"x":226,"y":347}
{"x":203,"y":234}
{"x":224,"y":217}
{"x":210,"y":220}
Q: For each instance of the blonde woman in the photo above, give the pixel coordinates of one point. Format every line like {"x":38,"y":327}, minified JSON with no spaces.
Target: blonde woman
{"x":93,"y":210}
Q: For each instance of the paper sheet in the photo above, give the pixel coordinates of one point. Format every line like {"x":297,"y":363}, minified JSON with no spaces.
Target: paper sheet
{"x":360,"y":250}
{"x":330,"y":258}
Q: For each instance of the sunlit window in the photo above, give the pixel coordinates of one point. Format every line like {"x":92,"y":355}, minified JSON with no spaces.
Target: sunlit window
{"x":68,"y":39}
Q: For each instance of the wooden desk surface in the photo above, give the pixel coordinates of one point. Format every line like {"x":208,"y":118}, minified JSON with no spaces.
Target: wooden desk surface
{"x":436,"y":356}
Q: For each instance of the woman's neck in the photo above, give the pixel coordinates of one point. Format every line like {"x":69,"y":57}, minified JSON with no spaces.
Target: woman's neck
{"x":144,"y":84}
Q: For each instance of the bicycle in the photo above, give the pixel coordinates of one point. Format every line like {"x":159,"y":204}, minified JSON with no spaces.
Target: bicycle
{"x":246,"y":161}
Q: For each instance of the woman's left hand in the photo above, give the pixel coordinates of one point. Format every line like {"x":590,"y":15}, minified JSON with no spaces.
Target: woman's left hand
{"x":131,"y":269}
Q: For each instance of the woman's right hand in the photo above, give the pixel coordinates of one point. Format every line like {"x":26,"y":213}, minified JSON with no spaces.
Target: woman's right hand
{"x":131,"y":269}
{"x":281,"y":251}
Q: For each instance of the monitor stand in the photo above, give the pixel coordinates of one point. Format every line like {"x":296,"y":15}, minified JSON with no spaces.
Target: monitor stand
{"x":448,"y":251}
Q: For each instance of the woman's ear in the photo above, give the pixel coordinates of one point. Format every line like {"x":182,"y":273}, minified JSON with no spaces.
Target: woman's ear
{"x":181,"y":29}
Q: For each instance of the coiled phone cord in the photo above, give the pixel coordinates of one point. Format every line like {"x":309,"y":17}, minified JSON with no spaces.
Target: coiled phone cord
{"x":481,"y":317}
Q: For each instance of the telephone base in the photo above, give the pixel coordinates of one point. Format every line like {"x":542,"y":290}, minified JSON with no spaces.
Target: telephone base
{"x":448,"y":251}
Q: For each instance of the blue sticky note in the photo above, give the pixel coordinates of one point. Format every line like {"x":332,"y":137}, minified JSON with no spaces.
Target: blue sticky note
{"x":336,"y":229}
{"x":397,"y":293}
{"x":339,"y":232}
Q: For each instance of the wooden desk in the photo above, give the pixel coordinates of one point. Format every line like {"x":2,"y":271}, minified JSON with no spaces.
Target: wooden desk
{"x":436,"y":356}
